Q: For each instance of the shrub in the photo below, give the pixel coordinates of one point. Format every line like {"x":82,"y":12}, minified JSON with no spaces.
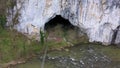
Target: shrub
{"x":2,"y":21}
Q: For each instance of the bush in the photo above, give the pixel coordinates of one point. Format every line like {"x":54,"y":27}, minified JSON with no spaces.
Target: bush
{"x":2,"y":21}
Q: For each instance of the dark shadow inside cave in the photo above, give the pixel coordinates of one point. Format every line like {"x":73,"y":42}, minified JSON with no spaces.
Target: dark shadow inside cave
{"x":58,"y":20}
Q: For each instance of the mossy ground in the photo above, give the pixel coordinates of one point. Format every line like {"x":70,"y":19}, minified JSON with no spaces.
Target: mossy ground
{"x":14,"y":45}
{"x":111,"y":51}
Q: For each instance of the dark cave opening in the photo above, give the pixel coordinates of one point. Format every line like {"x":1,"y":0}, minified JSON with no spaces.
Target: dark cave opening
{"x":58,"y":20}
{"x":59,"y":29}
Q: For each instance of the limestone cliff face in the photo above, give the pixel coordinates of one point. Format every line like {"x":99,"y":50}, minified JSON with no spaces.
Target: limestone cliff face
{"x":99,"y":18}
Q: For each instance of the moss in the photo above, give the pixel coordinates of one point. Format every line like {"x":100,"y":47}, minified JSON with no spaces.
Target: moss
{"x":56,"y":45}
{"x":14,"y":45}
{"x":112,"y":51}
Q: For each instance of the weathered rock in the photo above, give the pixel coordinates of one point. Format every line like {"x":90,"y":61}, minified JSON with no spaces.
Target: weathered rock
{"x":117,"y":41}
{"x":99,"y":18}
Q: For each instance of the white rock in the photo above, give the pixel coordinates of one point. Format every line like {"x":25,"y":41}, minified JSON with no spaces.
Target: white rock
{"x":98,"y":17}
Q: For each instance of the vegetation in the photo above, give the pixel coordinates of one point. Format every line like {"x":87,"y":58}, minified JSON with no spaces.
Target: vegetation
{"x":2,"y":21}
{"x":42,"y":37}
{"x":14,"y":45}
{"x":113,"y":52}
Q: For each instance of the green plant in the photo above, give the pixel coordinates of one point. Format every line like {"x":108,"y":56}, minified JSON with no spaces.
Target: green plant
{"x":42,"y":37}
{"x":2,"y":21}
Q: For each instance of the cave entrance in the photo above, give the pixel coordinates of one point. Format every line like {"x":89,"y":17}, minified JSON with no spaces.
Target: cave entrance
{"x":60,"y":29}
{"x":59,"y":21}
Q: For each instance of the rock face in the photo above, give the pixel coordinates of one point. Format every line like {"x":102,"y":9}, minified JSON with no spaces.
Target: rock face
{"x":99,"y":18}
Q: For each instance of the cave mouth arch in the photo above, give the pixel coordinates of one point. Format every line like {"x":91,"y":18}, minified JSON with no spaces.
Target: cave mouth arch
{"x":62,"y":31}
{"x":59,"y":28}
{"x":59,"y":20}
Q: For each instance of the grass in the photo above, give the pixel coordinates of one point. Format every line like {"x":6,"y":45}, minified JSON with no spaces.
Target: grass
{"x":112,"y":51}
{"x":2,"y":21}
{"x":14,"y":45}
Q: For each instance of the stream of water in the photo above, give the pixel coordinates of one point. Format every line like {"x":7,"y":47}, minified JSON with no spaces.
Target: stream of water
{"x":79,"y":56}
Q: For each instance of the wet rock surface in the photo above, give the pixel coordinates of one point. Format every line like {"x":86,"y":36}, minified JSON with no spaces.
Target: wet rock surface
{"x":86,"y":62}
{"x":69,"y":62}
{"x":91,"y":58}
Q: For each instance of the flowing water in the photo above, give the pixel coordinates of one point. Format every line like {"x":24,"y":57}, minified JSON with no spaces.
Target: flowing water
{"x":79,"y":56}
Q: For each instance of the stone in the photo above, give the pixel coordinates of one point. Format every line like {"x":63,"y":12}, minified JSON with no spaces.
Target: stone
{"x":98,"y":18}
{"x":117,"y":41}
